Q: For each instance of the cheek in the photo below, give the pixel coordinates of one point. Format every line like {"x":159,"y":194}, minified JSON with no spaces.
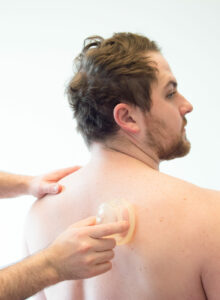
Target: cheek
{"x":169,"y":118}
{"x":166,"y":113}
{"x":171,"y":115}
{"x":174,"y":123}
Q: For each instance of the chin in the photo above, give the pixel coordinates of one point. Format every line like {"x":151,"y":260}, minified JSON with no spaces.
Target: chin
{"x":177,"y":150}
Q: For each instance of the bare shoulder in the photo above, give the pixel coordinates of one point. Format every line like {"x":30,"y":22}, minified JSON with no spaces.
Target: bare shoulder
{"x":41,"y":222}
{"x":204,"y":205}
{"x":193,"y":191}
{"x":201,"y":210}
{"x":199,"y":207}
{"x":210,"y":246}
{"x":50,"y":215}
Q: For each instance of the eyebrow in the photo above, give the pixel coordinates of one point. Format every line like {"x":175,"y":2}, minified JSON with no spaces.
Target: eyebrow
{"x":171,"y":82}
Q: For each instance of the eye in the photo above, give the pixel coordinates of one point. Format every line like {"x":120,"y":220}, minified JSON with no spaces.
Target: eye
{"x":170,"y":95}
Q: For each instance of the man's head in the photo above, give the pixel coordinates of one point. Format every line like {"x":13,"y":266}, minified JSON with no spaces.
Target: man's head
{"x":118,"y":88}
{"x":109,"y":72}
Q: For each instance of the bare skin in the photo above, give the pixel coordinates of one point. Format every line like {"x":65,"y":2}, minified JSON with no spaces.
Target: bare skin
{"x":175,"y":250}
{"x":174,"y":237}
{"x":79,"y":252}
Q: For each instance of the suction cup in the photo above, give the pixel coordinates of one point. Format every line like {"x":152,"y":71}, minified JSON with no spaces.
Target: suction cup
{"x":114,"y":211}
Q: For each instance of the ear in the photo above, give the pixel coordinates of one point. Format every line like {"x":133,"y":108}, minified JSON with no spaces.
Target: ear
{"x":126,"y":117}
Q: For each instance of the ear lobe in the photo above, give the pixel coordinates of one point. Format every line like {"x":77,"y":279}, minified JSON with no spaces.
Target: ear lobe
{"x":125,"y":117}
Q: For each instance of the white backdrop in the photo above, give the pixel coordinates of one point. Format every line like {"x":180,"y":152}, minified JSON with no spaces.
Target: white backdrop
{"x":39,"y":40}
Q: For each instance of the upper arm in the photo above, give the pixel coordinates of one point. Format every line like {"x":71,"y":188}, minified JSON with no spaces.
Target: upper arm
{"x":26,"y":249}
{"x":37,"y":228}
{"x":211,"y":279}
{"x":210,"y":248}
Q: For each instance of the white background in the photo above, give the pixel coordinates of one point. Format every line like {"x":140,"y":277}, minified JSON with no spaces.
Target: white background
{"x":38,"y":41}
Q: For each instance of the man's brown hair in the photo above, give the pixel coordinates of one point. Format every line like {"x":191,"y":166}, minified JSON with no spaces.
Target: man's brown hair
{"x":108,"y":72}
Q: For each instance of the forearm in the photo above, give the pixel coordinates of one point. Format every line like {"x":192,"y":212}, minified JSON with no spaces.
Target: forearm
{"x":27,"y":277}
{"x":12,"y":185}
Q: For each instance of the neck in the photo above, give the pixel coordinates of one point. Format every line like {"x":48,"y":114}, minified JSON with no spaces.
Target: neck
{"x":132,"y":150}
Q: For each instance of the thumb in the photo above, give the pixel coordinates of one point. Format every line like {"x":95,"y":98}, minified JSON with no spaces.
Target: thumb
{"x":49,"y":188}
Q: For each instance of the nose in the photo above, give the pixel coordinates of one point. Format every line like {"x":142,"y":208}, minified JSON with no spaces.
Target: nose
{"x":185,"y":107}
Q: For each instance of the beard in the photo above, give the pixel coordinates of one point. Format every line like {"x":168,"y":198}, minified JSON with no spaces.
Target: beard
{"x":178,"y":148}
{"x":166,"y":145}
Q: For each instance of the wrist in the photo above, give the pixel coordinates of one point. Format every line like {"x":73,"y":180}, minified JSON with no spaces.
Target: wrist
{"x":50,"y":262}
{"x":26,"y":182}
{"x":45,"y":258}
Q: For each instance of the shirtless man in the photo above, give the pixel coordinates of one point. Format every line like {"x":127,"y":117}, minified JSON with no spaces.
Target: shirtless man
{"x":127,"y":106}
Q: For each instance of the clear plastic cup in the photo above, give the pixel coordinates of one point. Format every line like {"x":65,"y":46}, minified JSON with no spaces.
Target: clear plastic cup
{"x":114,"y":211}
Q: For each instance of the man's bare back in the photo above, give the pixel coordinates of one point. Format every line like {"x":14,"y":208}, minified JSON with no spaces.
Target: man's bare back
{"x":176,"y":241}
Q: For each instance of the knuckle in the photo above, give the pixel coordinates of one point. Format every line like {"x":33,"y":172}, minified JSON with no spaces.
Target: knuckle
{"x":90,"y":261}
{"x":76,"y":233}
{"x":109,"y":266}
{"x":92,"y":273}
{"x":112,"y":243}
{"x":85,"y":247}
{"x":112,"y":254}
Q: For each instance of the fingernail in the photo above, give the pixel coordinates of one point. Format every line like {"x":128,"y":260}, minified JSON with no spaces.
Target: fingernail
{"x":55,"y":188}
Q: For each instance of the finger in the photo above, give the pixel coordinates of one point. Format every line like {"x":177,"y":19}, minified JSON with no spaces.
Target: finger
{"x":102,"y":230}
{"x":104,"y":244}
{"x":104,"y":257}
{"x":101,"y":268}
{"x":59,"y":174}
{"x":85,"y":222}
